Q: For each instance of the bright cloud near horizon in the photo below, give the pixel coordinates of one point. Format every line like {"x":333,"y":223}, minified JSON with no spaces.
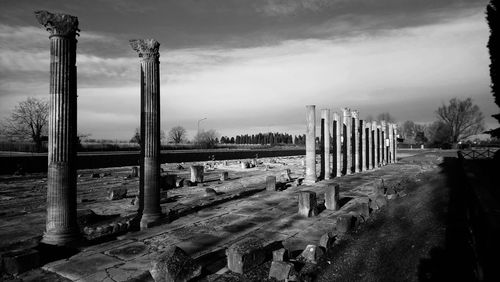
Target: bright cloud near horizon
{"x":252,"y":66}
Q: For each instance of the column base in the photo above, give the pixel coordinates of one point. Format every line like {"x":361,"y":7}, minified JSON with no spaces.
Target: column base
{"x":310,"y":180}
{"x":63,"y":239}
{"x":150,"y":220}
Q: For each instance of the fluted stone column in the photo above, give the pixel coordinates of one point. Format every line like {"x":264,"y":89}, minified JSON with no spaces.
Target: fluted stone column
{"x":383,"y":149}
{"x":325,"y":117}
{"x":347,"y":136}
{"x":395,"y":147}
{"x":369,"y":143}
{"x":390,"y":135}
{"x":61,"y":224}
{"x":355,"y":141}
{"x":375,"y":144}
{"x":310,"y":176}
{"x":148,"y":50}
{"x":362,"y":153}
{"x":337,"y":126}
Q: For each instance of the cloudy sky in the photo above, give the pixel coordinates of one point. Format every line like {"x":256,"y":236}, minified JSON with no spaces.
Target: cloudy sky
{"x":253,"y":65}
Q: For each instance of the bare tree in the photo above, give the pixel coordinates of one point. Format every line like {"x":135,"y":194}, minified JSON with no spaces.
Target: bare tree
{"x":206,"y":139}
{"x":493,"y":18}
{"x":462,"y":117}
{"x":177,"y":134}
{"x":29,"y":119}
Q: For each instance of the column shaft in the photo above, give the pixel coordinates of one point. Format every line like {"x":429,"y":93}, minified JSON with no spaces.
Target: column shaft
{"x":337,"y":144}
{"x":61,"y":224}
{"x":355,"y":142}
{"x":369,"y":142}
{"x":310,"y":176}
{"x":347,"y":147}
{"x":362,"y":153}
{"x":375,"y":144}
{"x":325,"y":117}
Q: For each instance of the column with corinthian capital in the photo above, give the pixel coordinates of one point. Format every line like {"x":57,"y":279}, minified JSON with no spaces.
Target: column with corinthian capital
{"x":148,"y":50}
{"x":61,"y":224}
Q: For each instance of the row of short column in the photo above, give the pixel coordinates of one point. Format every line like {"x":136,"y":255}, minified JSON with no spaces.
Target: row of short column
{"x":348,"y":144}
{"x":61,"y":221}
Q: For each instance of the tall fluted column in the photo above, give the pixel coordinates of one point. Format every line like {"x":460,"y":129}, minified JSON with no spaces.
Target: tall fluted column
{"x":150,"y":92}
{"x":61,"y":224}
{"x":325,"y":117}
{"x":362,"y":140}
{"x":383,"y":155}
{"x":337,"y":126}
{"x":395,"y":146}
{"x":375,"y":144}
{"x":347,"y":151}
{"x":355,"y":140}
{"x":389,"y":135}
{"x":369,"y":142}
{"x":310,"y":176}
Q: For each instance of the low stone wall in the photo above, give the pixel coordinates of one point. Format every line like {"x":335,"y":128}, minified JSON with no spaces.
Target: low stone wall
{"x":38,"y":163}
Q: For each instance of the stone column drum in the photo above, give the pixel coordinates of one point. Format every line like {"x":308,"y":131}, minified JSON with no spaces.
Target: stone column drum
{"x":346,"y":147}
{"x":362,"y":153}
{"x":310,"y":176}
{"x":61,"y":224}
{"x":355,"y":140}
{"x":337,"y":126}
{"x":369,"y":151}
{"x":148,"y":50}
{"x":383,"y":151}
{"x":375,"y":144}
{"x":197,"y":173}
{"x":325,"y":116}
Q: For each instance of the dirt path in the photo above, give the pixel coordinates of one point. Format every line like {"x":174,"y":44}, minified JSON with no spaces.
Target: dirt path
{"x":415,"y":238}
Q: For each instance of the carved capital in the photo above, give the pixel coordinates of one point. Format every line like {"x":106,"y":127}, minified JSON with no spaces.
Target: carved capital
{"x":58,"y":24}
{"x":346,"y":112}
{"x":355,"y":114}
{"x":148,"y":49}
{"x":383,"y":123}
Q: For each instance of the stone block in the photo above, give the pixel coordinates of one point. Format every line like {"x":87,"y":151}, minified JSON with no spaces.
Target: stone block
{"x":174,"y":265}
{"x":168,"y":181}
{"x":307,"y":204}
{"x":280,"y":255}
{"x":210,"y":192}
{"x":283,"y":271}
{"x":271,"y":183}
{"x":117,"y":193}
{"x":344,"y":223}
{"x":312,"y":254}
{"x":135,"y":172}
{"x":197,"y":173}
{"x":20,"y":261}
{"x":332,"y":197}
{"x":245,"y":255}
{"x":224,"y":176}
{"x":179,"y":183}
{"x":245,"y":165}
{"x":327,"y":240}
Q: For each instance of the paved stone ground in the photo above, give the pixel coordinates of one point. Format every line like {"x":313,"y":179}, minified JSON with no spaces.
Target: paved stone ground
{"x":206,"y":233}
{"x":271,"y":216}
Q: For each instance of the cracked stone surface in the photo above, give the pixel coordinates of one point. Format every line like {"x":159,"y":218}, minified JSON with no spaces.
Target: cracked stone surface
{"x":268,"y":215}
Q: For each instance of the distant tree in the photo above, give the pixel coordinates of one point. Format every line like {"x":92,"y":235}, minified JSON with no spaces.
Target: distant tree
{"x":137,"y":137}
{"x":462,"y":118}
{"x":177,"y":134}
{"x":439,"y":133}
{"x":29,"y":119}
{"x":206,"y":139}
{"x":387,"y":117}
{"x":493,"y":18}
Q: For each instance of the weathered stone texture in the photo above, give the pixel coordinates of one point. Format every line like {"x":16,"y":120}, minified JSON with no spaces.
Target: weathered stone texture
{"x":310,"y":144}
{"x":307,"y":204}
{"x":332,"y":197}
{"x":245,"y":255}
{"x":174,"y":265}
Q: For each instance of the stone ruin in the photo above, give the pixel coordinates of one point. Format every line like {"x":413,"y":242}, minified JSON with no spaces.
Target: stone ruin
{"x":348,"y":145}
